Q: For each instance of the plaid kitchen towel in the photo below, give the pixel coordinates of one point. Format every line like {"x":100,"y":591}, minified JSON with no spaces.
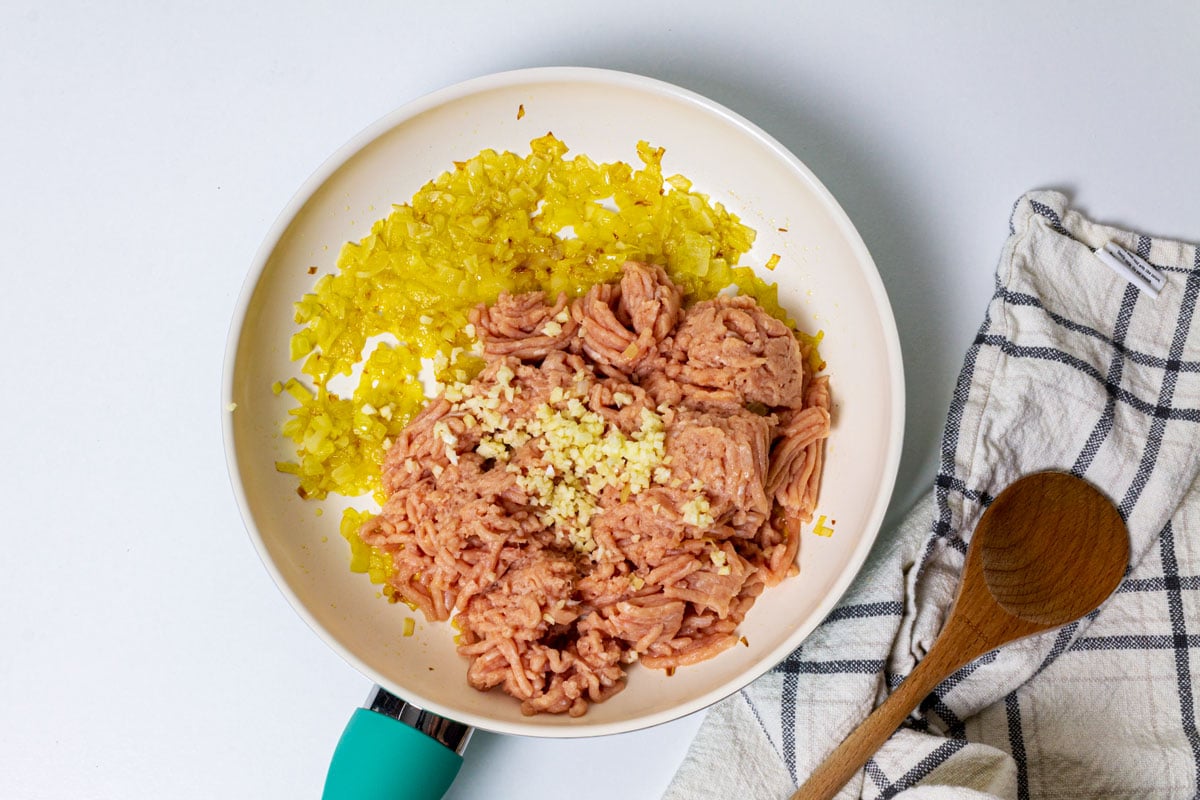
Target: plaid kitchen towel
{"x":1077,"y":367}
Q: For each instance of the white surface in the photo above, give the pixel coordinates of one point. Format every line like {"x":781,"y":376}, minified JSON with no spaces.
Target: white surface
{"x":145,"y":651}
{"x":825,"y":276}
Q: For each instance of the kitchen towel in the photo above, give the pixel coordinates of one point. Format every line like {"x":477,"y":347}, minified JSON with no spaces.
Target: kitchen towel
{"x":1077,"y":367}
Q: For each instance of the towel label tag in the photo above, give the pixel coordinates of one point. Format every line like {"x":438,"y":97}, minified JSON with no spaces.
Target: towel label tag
{"x":1132,"y":268}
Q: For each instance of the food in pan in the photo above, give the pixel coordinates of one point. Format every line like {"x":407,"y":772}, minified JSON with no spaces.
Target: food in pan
{"x":616,"y":456}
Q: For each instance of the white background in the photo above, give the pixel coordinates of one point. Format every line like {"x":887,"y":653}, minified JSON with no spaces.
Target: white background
{"x":144,"y":651}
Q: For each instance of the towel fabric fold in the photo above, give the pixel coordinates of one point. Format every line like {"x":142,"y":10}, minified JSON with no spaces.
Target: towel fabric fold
{"x":1073,"y":369}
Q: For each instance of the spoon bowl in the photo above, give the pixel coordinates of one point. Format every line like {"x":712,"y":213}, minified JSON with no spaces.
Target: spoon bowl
{"x":1028,"y":571}
{"x":1048,"y":550}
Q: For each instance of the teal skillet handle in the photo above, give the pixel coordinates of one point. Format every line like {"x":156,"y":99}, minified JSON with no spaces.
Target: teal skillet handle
{"x":392,"y":750}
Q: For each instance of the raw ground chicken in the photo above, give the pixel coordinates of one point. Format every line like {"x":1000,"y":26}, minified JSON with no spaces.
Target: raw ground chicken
{"x":618,"y":484}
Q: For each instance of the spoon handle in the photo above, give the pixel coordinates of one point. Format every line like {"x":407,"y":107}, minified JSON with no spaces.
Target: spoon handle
{"x":866,"y":739}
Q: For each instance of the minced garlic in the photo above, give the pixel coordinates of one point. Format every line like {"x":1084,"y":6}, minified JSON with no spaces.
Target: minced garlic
{"x":582,"y":453}
{"x":698,"y":512}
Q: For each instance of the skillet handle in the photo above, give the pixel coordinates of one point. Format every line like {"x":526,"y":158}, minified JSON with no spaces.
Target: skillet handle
{"x":393,"y":750}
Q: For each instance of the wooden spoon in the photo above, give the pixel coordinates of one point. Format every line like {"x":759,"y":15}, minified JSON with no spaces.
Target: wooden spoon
{"x":1049,"y":549}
